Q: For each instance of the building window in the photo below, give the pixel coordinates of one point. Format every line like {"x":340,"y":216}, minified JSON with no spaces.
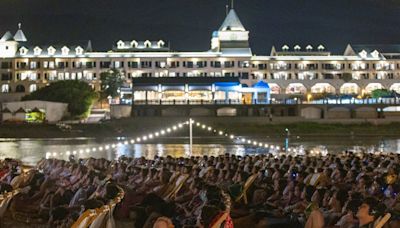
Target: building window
{"x":105,"y":64}
{"x":201,"y":64}
{"x":188,"y":64}
{"x":32,"y":88}
{"x":229,"y":64}
{"x":6,"y":65}
{"x":6,"y":76}
{"x":216,"y":64}
{"x":145,"y":64}
{"x":5,"y":88}
{"x":133,"y":64}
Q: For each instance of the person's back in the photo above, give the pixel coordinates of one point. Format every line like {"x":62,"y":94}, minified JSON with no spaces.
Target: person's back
{"x":315,"y":220}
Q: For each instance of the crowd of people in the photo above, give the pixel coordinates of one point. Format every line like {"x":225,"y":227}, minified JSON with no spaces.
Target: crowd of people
{"x":342,"y":190}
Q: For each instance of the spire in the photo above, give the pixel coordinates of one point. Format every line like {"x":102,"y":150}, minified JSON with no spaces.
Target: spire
{"x":7,"y":36}
{"x":232,"y":4}
{"x":19,"y":35}
{"x":232,"y":22}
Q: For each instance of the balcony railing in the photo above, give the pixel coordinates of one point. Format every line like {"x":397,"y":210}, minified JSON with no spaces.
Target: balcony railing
{"x":289,"y":101}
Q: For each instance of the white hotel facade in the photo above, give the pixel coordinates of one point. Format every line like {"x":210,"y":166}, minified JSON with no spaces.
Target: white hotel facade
{"x":154,"y":72}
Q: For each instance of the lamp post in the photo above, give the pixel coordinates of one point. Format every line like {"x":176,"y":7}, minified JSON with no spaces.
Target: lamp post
{"x":287,"y":139}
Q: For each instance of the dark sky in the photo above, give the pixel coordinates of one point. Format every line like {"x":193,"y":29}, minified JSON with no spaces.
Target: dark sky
{"x":188,"y":24}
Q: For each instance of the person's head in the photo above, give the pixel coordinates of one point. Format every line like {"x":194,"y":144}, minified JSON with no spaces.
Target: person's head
{"x":4,"y":187}
{"x":352,"y":206}
{"x":92,"y":204}
{"x":208,"y":214}
{"x":369,"y":210}
{"x":112,"y":191}
{"x":58,"y":214}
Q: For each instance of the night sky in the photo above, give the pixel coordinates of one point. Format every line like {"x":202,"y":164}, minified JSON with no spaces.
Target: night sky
{"x":188,"y":24}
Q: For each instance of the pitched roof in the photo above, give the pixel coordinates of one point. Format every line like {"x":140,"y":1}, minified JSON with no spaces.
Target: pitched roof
{"x":232,"y":22}
{"x":382,"y":48}
{"x":20,"y":36}
{"x":7,"y":37}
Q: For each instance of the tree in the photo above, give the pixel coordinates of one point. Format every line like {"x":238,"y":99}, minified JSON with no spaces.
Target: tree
{"x":381,"y":93}
{"x":77,"y":94}
{"x":111,"y":82}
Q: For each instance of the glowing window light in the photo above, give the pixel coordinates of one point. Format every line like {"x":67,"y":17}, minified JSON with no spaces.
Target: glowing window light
{"x":209,"y":128}
{"x":220,"y":132}
{"x":132,"y":141}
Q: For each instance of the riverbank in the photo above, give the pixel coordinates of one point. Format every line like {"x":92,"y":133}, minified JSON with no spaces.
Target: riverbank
{"x":255,"y":126}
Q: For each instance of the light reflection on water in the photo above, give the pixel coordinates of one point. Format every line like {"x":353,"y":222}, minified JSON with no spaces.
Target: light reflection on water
{"x":32,"y":150}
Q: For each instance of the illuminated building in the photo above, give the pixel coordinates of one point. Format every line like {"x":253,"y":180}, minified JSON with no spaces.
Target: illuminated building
{"x":229,"y":71}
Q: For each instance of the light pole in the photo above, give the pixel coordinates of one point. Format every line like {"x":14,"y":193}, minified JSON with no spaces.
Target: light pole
{"x":287,"y":139}
{"x":191,"y":136}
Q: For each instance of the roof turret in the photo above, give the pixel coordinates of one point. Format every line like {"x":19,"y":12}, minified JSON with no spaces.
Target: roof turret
{"x":19,"y":35}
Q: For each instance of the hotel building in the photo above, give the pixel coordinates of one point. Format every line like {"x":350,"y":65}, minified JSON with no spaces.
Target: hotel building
{"x":229,"y":71}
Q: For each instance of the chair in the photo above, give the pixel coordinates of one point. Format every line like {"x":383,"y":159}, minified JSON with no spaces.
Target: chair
{"x":100,"y":219}
{"x":381,"y":221}
{"x":85,"y":219}
{"x":220,"y":221}
{"x":6,"y":201}
{"x":246,"y":187}
{"x":315,"y":179}
{"x":176,"y":186}
{"x":17,"y":181}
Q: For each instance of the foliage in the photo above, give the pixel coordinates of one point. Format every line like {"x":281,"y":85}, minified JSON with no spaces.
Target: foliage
{"x":381,"y":93}
{"x":319,"y":96}
{"x":111,"y":81}
{"x":77,"y":94}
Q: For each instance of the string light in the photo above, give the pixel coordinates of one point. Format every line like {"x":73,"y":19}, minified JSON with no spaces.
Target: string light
{"x":168,"y":130}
